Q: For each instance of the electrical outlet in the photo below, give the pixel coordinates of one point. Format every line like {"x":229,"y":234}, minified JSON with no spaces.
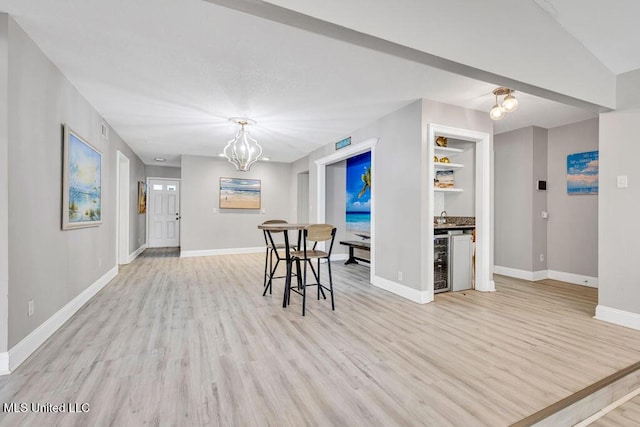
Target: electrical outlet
{"x":400,"y":275}
{"x":541,"y":257}
{"x":30,"y":308}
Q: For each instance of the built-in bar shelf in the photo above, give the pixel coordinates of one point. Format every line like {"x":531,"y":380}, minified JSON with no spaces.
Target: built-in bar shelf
{"x":448,"y":190}
{"x":447,"y":150}
{"x":447,"y":166}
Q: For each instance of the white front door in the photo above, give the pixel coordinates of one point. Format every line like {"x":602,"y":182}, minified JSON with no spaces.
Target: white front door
{"x":164,"y":213}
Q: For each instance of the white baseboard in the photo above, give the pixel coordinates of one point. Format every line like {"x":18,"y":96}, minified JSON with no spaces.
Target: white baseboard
{"x":212,"y":252}
{"x":421,"y":297}
{"x":514,"y":272}
{"x":533,"y":276}
{"x":339,"y":257}
{"x":576,"y":279}
{"x":619,"y":317}
{"x":21,"y":351}
{"x":137,"y":252}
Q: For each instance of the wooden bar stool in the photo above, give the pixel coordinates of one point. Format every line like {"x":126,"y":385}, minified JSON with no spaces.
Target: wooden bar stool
{"x":314,"y":233}
{"x":271,"y":249}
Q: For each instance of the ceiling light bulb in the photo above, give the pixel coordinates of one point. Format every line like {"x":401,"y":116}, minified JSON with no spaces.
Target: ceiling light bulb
{"x":510,"y":103}
{"x":497,"y":112}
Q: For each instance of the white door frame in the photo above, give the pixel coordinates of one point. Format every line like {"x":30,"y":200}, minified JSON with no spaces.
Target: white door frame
{"x":122,"y":208}
{"x":321,"y":183}
{"x":146,"y":217}
{"x":483,"y":211}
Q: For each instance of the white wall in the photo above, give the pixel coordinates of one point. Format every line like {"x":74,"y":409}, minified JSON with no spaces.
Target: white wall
{"x":568,"y":239}
{"x":153,"y":171}
{"x":47,"y":264}
{"x":539,"y":200}
{"x":336,"y":190}
{"x":573,"y":220}
{"x":397,"y":182}
{"x":202,"y":229}
{"x":300,"y":166}
{"x":4,"y":183}
{"x":628,"y":90}
{"x":513,"y":199}
{"x":618,"y":263}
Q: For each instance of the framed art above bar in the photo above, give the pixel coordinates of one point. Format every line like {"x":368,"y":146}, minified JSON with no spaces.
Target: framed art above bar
{"x":81,"y":182}
{"x":239,"y":193}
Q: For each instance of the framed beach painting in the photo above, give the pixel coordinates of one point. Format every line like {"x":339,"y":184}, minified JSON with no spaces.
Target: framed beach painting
{"x":142,"y":197}
{"x":238,"y":193}
{"x":81,"y":182}
{"x":582,"y":173}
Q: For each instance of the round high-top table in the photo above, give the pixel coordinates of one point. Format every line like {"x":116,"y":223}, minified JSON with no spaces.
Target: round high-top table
{"x":285,"y":227}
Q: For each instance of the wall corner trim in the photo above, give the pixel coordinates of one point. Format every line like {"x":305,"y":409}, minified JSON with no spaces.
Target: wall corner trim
{"x":420,"y":297}
{"x":213,"y":252}
{"x":618,"y":317}
{"x":134,"y":255}
{"x":21,"y":351}
{"x":4,"y":363}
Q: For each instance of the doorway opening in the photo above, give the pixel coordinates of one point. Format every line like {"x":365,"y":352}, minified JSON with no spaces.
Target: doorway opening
{"x":484,"y":277}
{"x":321,"y":187}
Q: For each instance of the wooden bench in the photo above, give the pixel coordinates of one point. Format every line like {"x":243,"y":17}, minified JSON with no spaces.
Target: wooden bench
{"x":353,"y":244}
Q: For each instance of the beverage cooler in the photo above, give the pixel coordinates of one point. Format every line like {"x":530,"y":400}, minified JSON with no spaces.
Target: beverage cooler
{"x":452,"y":260}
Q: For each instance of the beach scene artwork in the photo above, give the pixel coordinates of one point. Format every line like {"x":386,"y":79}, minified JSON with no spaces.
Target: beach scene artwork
{"x":582,"y":173}
{"x":236,"y":193}
{"x":83,"y":190}
{"x":358,"y":207}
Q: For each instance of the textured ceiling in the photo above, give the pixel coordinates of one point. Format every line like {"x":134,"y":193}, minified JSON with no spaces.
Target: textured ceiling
{"x":167,"y":74}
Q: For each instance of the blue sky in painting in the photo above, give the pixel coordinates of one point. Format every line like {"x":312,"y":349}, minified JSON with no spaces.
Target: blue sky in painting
{"x":356,"y":167}
{"x":582,"y":173}
{"x":237,"y":184}
{"x":84,"y":166}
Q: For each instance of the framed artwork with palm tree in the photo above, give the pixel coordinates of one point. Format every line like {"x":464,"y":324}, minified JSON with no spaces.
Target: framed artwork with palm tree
{"x":358,"y":206}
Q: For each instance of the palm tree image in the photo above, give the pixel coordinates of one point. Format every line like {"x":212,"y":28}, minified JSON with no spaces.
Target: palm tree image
{"x":366,"y":179}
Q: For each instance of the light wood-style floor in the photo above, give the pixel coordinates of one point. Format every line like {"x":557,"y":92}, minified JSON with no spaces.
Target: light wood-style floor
{"x":627,"y":415}
{"x":192,"y":342}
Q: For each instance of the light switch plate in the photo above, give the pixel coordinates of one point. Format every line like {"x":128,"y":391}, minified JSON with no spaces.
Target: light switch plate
{"x":621,"y":181}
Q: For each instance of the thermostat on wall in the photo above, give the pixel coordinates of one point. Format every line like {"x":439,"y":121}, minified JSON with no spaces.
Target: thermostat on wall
{"x":542,"y":185}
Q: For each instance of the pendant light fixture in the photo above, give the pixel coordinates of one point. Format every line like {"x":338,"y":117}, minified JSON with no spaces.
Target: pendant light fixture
{"x":497,"y":112}
{"x":509,"y":103}
{"x":242,"y":151}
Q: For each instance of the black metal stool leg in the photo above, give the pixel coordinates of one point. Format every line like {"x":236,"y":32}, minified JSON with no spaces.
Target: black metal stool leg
{"x":333,"y":306}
